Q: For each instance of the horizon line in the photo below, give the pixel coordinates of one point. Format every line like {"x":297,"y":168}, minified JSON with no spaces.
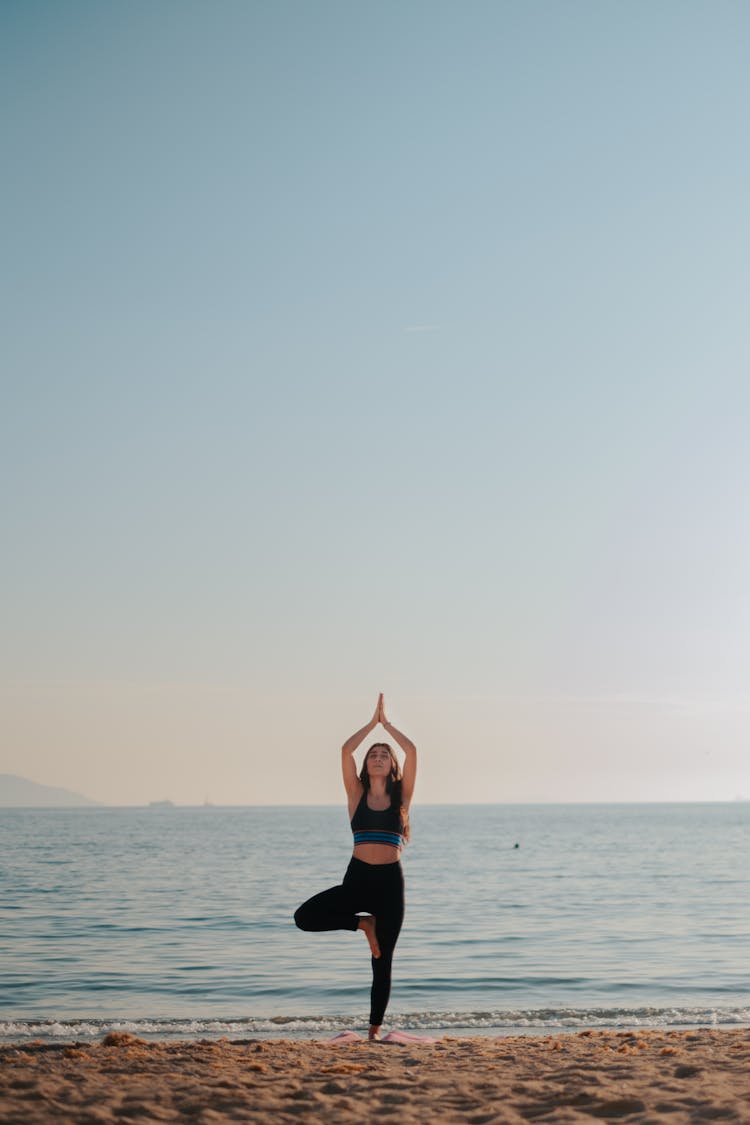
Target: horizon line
{"x":161,"y":806}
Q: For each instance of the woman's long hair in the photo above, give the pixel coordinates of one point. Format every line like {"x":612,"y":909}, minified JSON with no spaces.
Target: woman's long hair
{"x":393,"y":784}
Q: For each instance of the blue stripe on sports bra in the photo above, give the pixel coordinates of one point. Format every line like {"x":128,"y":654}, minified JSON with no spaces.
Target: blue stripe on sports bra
{"x":373,"y":836}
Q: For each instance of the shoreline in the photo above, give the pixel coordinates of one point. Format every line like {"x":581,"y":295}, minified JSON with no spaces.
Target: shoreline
{"x":678,"y":1076}
{"x":92,"y":1029}
{"x":285,"y":1036}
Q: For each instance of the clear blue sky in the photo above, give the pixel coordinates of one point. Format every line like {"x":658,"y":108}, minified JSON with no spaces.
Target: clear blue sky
{"x":354,"y":347}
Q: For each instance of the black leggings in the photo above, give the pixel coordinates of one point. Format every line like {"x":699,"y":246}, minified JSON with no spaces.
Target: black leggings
{"x":373,"y":888}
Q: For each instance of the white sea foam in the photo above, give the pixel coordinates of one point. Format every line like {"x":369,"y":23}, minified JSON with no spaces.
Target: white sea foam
{"x":505,"y":1022}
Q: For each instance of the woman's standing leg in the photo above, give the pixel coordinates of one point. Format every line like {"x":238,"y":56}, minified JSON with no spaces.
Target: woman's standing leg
{"x":388,"y":908}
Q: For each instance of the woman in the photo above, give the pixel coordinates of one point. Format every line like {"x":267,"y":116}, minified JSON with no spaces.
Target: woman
{"x":379,"y":800}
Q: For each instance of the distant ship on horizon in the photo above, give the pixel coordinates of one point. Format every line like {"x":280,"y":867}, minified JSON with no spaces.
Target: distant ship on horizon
{"x":161,"y":804}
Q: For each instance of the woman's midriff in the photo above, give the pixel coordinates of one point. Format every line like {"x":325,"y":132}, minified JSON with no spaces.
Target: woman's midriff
{"x":376,"y":853}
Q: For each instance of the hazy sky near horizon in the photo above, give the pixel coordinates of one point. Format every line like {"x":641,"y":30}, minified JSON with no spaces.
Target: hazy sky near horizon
{"x":354,"y":347}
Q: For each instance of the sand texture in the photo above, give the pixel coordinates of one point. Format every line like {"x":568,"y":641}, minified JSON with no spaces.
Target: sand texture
{"x":675,"y":1077}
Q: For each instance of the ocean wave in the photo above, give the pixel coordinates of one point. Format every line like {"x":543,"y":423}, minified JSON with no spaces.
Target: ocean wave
{"x":500,"y":1022}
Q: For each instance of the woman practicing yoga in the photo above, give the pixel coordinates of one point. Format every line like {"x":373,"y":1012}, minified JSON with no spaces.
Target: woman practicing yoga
{"x":373,"y":885}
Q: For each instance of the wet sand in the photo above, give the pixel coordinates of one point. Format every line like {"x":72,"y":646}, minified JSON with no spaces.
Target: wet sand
{"x":648,"y":1076}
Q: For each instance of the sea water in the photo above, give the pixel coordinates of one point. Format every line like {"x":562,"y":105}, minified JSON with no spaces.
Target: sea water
{"x":178,"y":921}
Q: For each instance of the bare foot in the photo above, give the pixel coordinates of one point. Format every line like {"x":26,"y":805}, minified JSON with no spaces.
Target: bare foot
{"x":373,"y":1033}
{"x":368,"y":925}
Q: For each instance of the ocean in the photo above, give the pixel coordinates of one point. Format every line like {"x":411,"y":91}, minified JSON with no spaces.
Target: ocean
{"x":177,"y":922}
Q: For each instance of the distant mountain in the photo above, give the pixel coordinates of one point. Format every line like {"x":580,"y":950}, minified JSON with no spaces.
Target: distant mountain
{"x":18,"y":792}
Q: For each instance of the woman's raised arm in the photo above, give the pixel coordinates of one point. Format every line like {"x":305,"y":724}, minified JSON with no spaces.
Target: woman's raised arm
{"x":352,"y":784}
{"x":410,"y":763}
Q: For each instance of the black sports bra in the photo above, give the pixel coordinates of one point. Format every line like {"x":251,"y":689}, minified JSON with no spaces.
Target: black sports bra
{"x":377,"y":826}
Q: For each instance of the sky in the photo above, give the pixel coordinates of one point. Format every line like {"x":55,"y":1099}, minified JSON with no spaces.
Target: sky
{"x":392,"y":347}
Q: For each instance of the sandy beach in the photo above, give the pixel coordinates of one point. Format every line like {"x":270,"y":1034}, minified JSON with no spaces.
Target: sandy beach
{"x":677,"y":1076}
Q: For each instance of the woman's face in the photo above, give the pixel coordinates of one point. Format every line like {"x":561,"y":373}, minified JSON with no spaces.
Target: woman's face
{"x":378,"y":762}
